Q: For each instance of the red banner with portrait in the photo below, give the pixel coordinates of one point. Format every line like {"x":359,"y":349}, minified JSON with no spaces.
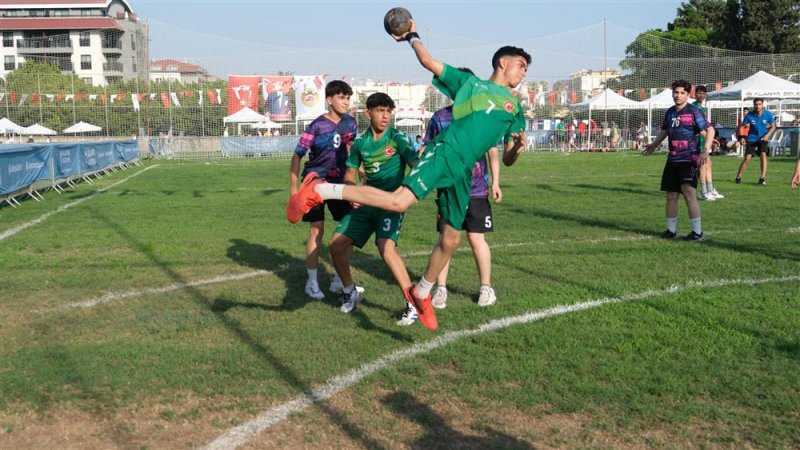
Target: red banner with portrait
{"x":275,"y":97}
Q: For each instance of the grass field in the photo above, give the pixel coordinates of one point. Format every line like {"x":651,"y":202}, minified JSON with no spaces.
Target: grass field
{"x":163,"y":307}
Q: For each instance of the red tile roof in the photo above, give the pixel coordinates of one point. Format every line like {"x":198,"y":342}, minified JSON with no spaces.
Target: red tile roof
{"x":10,"y":4}
{"x":58,"y":23}
{"x":162,"y":65}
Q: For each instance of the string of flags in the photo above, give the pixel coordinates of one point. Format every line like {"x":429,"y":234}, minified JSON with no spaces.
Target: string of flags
{"x":214,"y":97}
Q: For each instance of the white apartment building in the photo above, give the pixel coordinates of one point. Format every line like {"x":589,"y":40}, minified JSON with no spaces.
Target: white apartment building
{"x":102,"y":41}
{"x":587,"y":81}
{"x":178,"y":71}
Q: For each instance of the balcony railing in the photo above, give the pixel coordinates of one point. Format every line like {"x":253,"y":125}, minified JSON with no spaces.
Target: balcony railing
{"x":112,"y":67}
{"x":112,"y":45}
{"x":45,"y":42}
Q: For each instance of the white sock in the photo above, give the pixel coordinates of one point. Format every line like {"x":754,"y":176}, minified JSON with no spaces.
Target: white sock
{"x":424,"y":287}
{"x":349,"y":289}
{"x":312,"y":274}
{"x":703,"y":188}
{"x":672,"y":224}
{"x":696,"y":227}
{"x":711,"y":186}
{"x":329,"y":191}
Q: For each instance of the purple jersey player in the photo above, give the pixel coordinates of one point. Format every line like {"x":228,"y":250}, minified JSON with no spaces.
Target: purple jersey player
{"x":326,"y":141}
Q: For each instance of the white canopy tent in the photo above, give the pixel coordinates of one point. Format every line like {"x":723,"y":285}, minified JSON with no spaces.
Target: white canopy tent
{"x":759,"y":85}
{"x":605,"y":100}
{"x":9,"y":127}
{"x":82,"y":127}
{"x":38,"y":130}
{"x":245,"y":116}
{"x":270,"y":125}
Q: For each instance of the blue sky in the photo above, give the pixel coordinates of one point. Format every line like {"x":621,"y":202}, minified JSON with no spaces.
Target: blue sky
{"x":244,"y":36}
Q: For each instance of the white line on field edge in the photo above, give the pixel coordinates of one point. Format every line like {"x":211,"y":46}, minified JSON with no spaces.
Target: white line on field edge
{"x":247,"y":431}
{"x":12,"y":231}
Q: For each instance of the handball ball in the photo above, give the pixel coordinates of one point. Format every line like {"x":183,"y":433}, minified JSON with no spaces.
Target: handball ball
{"x":397,"y":21}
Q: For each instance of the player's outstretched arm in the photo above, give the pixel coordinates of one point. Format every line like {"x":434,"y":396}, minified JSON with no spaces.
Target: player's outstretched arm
{"x":423,"y":55}
{"x":494,"y":169}
{"x":650,"y":148}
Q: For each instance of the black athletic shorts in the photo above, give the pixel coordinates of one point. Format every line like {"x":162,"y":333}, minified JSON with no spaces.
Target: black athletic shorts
{"x":754,"y":148}
{"x":678,"y":173}
{"x":478,"y":219}
{"x":338,"y":209}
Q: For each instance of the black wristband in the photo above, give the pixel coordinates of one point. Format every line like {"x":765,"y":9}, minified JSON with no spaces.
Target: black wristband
{"x":412,"y":35}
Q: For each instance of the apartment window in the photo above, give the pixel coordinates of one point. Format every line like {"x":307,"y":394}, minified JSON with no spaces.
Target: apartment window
{"x":9,"y":63}
{"x":86,"y":62}
{"x":133,"y":63}
{"x":61,"y":12}
{"x":37,"y":13}
{"x":87,"y":80}
{"x":133,"y":42}
{"x":84,"y":38}
{"x":8,"y":39}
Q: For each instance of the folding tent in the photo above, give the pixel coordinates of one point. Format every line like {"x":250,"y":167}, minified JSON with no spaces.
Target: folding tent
{"x":605,"y":100}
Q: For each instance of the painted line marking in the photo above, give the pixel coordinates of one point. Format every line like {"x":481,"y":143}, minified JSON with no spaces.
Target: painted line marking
{"x":12,"y":231}
{"x":112,"y":296}
{"x":247,"y":431}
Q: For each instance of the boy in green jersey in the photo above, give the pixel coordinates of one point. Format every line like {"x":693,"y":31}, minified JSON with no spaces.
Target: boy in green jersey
{"x":484,"y":111}
{"x":384,"y":152}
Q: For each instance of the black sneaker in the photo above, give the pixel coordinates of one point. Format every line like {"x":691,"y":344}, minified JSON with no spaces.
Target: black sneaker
{"x":694,"y":237}
{"x":738,"y":180}
{"x":668,"y":234}
{"x":762,"y":181}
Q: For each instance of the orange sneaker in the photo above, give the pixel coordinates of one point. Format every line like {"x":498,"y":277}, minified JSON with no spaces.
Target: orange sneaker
{"x":304,"y":199}
{"x":424,"y":308}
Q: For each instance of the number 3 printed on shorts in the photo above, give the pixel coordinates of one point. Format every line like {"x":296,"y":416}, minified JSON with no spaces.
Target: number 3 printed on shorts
{"x":387,"y":224}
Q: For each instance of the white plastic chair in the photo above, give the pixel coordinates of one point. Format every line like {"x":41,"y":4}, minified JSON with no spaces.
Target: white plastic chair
{"x":775,"y":142}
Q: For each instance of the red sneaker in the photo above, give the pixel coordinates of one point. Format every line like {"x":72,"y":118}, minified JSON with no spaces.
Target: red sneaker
{"x":304,"y":199}
{"x":424,"y":308}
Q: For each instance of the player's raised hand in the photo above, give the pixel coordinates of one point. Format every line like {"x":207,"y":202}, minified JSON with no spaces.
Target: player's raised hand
{"x":404,"y":36}
{"x":519,"y":138}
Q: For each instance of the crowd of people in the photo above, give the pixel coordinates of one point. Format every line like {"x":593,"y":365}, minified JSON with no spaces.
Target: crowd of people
{"x":457,"y":158}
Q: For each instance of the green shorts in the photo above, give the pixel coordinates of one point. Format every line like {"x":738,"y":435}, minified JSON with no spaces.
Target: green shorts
{"x":360,"y":223}
{"x":435,"y":170}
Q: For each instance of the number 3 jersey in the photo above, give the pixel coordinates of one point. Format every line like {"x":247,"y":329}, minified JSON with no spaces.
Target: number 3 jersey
{"x":384,"y":160}
{"x":326,"y":143}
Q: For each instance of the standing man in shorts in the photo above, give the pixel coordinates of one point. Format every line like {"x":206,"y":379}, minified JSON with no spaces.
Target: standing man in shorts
{"x":683,"y":124}
{"x":479,"y":218}
{"x":384,"y":153}
{"x":484,"y":111}
{"x":761,"y":125}
{"x":326,"y":140}
{"x":706,"y":177}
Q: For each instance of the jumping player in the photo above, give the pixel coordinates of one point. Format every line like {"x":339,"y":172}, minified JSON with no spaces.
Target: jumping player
{"x":326,"y":140}
{"x":483,"y":112}
{"x":683,"y":124}
{"x":384,"y":152}
{"x":478,"y":221}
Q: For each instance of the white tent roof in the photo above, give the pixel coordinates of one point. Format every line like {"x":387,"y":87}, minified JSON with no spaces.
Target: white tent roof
{"x":7,"y":126}
{"x":82,"y":127}
{"x":760,"y":84}
{"x":267,"y":124}
{"x":245,"y":115}
{"x":408,"y":122}
{"x":607,"y":99}
{"x":38,"y":130}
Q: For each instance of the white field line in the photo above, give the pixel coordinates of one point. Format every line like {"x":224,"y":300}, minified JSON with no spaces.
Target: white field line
{"x":242,"y":434}
{"x":112,"y":296}
{"x":12,"y":231}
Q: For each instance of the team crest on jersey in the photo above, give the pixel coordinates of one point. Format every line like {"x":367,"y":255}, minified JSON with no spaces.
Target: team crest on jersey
{"x":508,"y":106}
{"x":388,"y":151}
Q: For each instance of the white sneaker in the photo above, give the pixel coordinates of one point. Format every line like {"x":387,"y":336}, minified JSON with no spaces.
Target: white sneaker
{"x":709,"y":197}
{"x":439,"y":300}
{"x":349,"y":301}
{"x":486,"y":297}
{"x":313,"y":291}
{"x":717,"y":195}
{"x":336,"y":285}
{"x":409,"y":315}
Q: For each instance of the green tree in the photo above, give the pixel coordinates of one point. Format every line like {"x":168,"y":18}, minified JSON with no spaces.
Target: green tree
{"x":706,"y":15}
{"x":771,"y":26}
